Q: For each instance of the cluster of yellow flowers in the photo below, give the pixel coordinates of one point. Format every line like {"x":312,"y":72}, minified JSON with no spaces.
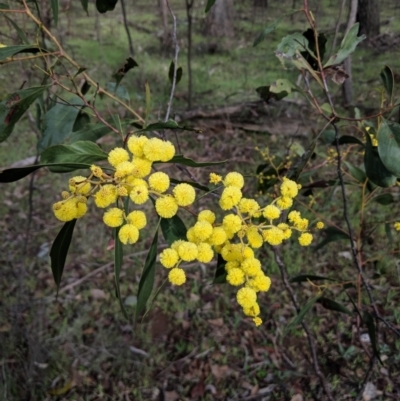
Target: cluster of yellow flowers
{"x":128,"y":179}
{"x":246,"y":227}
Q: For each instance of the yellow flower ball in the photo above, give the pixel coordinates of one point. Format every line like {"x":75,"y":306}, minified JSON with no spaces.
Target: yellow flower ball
{"x":284,"y":202}
{"x":188,"y":251}
{"x":232,"y":222}
{"x":96,"y":170}
{"x":257,"y":321}
{"x":176,"y":244}
{"x":166,"y":206}
{"x":136,"y":144}
{"x":65,"y":210}
{"x":167,"y":151}
{"x":79,"y":185}
{"x":169,"y":258}
{"x":117,"y":156}
{"x":137,"y":218}
{"x":218,"y":236}
{"x":253,"y":310}
{"x":113,"y":217}
{"x":122,"y":191}
{"x":287,"y":232}
{"x":81,"y":209}
{"x":206,"y":215}
{"x":234,"y":264}
{"x":254,"y":237}
{"x":123,"y":169}
{"x":305,"y":239}
{"x":141,"y":167}
{"x":128,"y":234}
{"x":234,"y":179}
{"x":249,"y":206}
{"x":184,"y":194}
{"x":159,"y":182}
{"x":205,"y":253}
{"x":271,"y":212}
{"x":230,"y":197}
{"x":235,"y":276}
{"x":153,"y":149}
{"x":289,"y":188}
{"x":260,"y":283}
{"x":320,"y":225}
{"x":397,"y":226}
{"x":247,"y":252}
{"x":231,"y":252}
{"x":191,"y":237}
{"x":139,"y":194}
{"x":246,"y":297}
{"x":177,"y":276}
{"x":294,"y":216}
{"x":215,"y":178}
{"x":106,"y":195}
{"x":202,"y":230}
{"x":251,"y":267}
{"x":274,"y":236}
{"x":301,"y":224}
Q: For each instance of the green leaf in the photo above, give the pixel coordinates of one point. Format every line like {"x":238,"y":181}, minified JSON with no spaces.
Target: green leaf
{"x":173,"y":229}
{"x":348,"y":45}
{"x":220,"y":272}
{"x":388,"y":231}
{"x":384,"y":199}
{"x":59,"y":250}
{"x":85,"y":4}
{"x":356,"y":173}
{"x":290,"y":45}
{"x":20,"y":32}
{"x":179,"y":72}
{"x":105,"y":5}
{"x":82,"y":152}
{"x":333,"y":305}
{"x":387,"y":78}
{"x":389,"y":146}
{"x":266,"y":94}
{"x":82,"y":120}
{"x":118,"y":90}
{"x":270,"y":28}
{"x":14,"y":107}
{"x":302,"y":313}
{"x":170,"y":124}
{"x":308,"y":277}
{"x":374,"y":168}
{"x":54,"y":8}
{"x":147,"y":279}
{"x":130,"y":63}
{"x":58,"y":123}
{"x":191,"y":163}
{"x":209,"y":4}
{"x":91,"y":132}
{"x":118,"y":257}
{"x":15,"y":174}
{"x":369,"y":322}
{"x":4,"y":6}
{"x":10,"y":51}
{"x":331,"y":234}
{"x":282,"y":85}
{"x":295,"y":171}
{"x":344,"y":139}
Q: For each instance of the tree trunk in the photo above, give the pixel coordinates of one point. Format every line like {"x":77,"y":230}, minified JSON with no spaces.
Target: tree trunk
{"x":219,"y":21}
{"x":368,"y":17}
{"x":166,"y":37}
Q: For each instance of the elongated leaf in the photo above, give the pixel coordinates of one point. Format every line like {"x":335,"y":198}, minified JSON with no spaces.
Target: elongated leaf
{"x":333,"y":305}
{"x":15,"y":174}
{"x":20,"y":32}
{"x":118,"y":257}
{"x":82,"y":120}
{"x":147,"y":279}
{"x":369,"y":322}
{"x":331,"y":234}
{"x":54,"y":8}
{"x":209,"y":4}
{"x":58,"y":123}
{"x":376,"y":171}
{"x":356,"y":173}
{"x":220,"y":272}
{"x":130,"y":63}
{"x":308,"y":277}
{"x":384,"y":199}
{"x":170,"y":124}
{"x":268,"y":30}
{"x":302,"y":313}
{"x":387,"y":78}
{"x":91,"y":132}
{"x":266,"y":94}
{"x":295,"y":171}
{"x":14,"y":107}
{"x":119,"y":90}
{"x":82,"y":152}
{"x":173,"y":229}
{"x":105,"y":5}
{"x":85,"y":4}
{"x":389,"y":146}
{"x":179,"y":72}
{"x":191,"y":163}
{"x":348,"y":45}
{"x":10,"y":51}
{"x":59,"y":250}
{"x":344,"y":139}
{"x":388,"y":231}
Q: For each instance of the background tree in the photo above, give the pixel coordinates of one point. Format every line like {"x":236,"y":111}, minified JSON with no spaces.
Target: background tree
{"x":219,"y":21}
{"x":368,"y":17}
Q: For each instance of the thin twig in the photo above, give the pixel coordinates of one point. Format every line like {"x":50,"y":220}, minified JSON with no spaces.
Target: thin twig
{"x":337,"y":28}
{"x":175,"y":41}
{"x":310,"y":338}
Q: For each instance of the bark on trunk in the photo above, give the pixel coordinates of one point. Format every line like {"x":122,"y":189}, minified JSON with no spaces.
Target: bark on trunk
{"x":368,"y":17}
{"x":219,"y":20}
